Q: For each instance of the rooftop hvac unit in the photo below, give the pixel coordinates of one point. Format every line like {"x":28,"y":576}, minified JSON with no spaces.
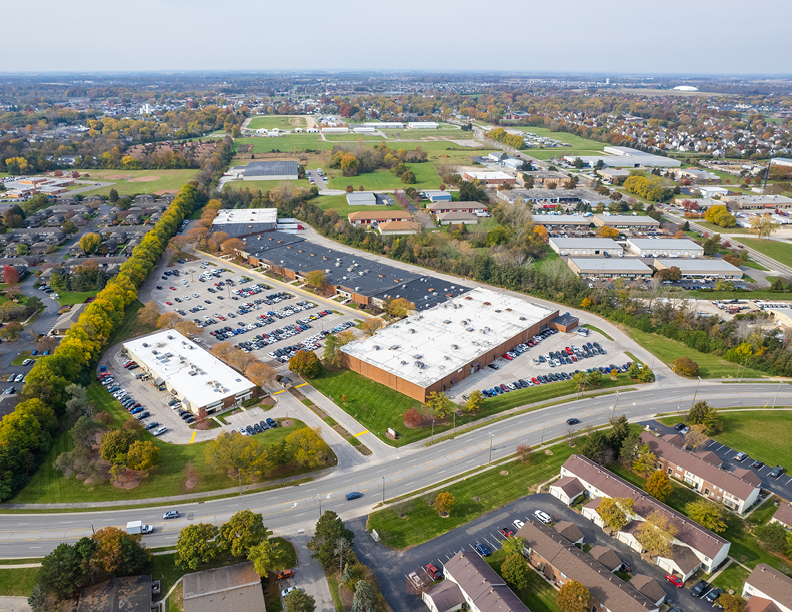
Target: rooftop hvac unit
{"x":361,"y":273}
{"x":446,"y":357}
{"x":417,"y":356}
{"x":412,"y":331}
{"x":145,"y":344}
{"x":376,"y":347}
{"x":404,"y":363}
{"x":170,"y":337}
{"x":523,"y":319}
{"x":455,"y":346}
{"x":154,"y":351}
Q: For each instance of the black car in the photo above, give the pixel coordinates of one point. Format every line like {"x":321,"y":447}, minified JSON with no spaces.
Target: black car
{"x":573,"y":421}
{"x":143,"y":415}
{"x":757,"y":465}
{"x":698,"y":589}
{"x":679,"y":426}
{"x":257,"y":428}
{"x":263,"y":425}
{"x":272,"y":423}
{"x":250,"y":430}
{"x":776,"y":472}
{"x":713,"y":595}
{"x":152,"y":425}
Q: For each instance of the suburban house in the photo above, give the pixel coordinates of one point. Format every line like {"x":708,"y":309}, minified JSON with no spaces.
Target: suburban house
{"x":768,"y":590}
{"x":439,"y":206}
{"x":694,"y":546}
{"x":477,"y":586}
{"x":361,"y":218}
{"x":737,"y":490}
{"x":783,"y":515}
{"x":224,"y":589}
{"x":558,"y":560}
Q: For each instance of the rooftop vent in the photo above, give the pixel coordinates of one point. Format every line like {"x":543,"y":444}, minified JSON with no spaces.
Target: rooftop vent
{"x":487,"y":304}
{"x":145,"y":344}
{"x":523,"y":319}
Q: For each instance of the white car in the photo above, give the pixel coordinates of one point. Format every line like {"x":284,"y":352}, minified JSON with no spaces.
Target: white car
{"x":543,"y":517}
{"x":285,"y":592}
{"x":518,"y":523}
{"x":160,"y":431}
{"x":19,"y":377}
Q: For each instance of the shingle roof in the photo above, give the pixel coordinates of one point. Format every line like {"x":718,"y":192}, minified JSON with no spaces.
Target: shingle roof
{"x":607,"y":556}
{"x":483,"y":586}
{"x":446,"y":595}
{"x":784,"y":514}
{"x":648,"y":586}
{"x":690,"y":533}
{"x":569,"y":530}
{"x":772,"y":583}
{"x":729,"y":482}
{"x":570,"y":485}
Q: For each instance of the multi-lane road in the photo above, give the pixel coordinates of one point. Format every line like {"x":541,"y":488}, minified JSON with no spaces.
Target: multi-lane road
{"x":290,"y":509}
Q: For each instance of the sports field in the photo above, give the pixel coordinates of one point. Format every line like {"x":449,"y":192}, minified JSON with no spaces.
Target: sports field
{"x":282,"y":122}
{"x":287,"y":144}
{"x":131,"y":182}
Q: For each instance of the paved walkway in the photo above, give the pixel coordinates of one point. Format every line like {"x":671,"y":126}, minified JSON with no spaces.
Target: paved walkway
{"x":14,"y":604}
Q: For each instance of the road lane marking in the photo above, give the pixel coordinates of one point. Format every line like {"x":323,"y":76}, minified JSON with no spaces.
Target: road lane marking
{"x":298,"y":386}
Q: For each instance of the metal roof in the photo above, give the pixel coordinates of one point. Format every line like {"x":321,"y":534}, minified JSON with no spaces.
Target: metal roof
{"x":611,"y":264}
{"x":586,"y":243}
{"x":271,"y":168}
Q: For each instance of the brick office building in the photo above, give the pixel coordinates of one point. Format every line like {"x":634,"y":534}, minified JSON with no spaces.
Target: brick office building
{"x":435,"y":349}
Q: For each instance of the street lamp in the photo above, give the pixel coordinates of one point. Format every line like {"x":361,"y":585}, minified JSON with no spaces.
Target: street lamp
{"x":613,"y":413}
{"x":543,"y":427}
{"x":432,"y":431}
{"x":492,"y":436}
{"x":696,"y":393}
{"x":383,"y":489}
{"x":776,"y":395}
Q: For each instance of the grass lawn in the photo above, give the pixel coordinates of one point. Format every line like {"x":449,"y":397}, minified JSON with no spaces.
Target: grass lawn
{"x":285,"y":144}
{"x":130,"y":327}
{"x":18,"y":582}
{"x":493,"y":490}
{"x":539,"y":596}
{"x":732,"y":578}
{"x":780,"y":251}
{"x":426,"y":177}
{"x":354,"y":137}
{"x":339,"y":204}
{"x":710,"y":366}
{"x":717,"y":229}
{"x":597,"y":330}
{"x":75,"y":297}
{"x":763,"y":434}
{"x":48,"y":485}
{"x":266,"y":185}
{"x":282,"y":122}
{"x":21,"y":357}
{"x":166,"y":180}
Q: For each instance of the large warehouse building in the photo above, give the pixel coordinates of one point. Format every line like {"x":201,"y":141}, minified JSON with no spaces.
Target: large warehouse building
{"x":241,"y":222}
{"x":665,"y":247}
{"x":609,"y":268}
{"x":190,"y":373}
{"x":431,"y":351}
{"x":586,"y":246}
{"x":625,"y":157}
{"x":278,"y":170}
{"x":701,"y":268}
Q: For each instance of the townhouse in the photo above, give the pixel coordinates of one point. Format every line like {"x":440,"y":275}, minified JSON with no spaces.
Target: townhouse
{"x":767,"y":590}
{"x":693,"y":547}
{"x":737,"y":490}
{"x":783,"y":516}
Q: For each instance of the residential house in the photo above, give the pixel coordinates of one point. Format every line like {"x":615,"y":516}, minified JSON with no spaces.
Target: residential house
{"x":558,"y":561}
{"x":694,"y":546}
{"x":767,"y":590}
{"x":362,"y":218}
{"x":783,"y":516}
{"x":738,"y":490}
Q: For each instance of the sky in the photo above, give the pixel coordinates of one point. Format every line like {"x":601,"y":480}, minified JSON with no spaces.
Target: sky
{"x":571,"y":36}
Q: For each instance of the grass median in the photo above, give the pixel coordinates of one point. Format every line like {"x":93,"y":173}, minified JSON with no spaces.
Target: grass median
{"x":17,"y":582}
{"x":475,"y":495}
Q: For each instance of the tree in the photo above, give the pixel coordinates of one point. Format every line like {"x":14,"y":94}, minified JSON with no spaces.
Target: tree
{"x":232,"y":246}
{"x":315,"y":279}
{"x":616,"y":512}
{"x":260,"y":373}
{"x":656,"y":534}
{"x":142,"y":456}
{"x":11,"y":331}
{"x":764,"y":225}
{"x":333,"y":343}
{"x":670,"y":274}
{"x":685,"y":366}
{"x":196,"y":545}
{"x":10,"y":276}
{"x":704,"y":414}
{"x":265,"y":556}
{"x":475,"y":402}
{"x":710,"y":248}
{"x":168,"y":320}
{"x":242,"y":532}
{"x":225,"y":452}
{"x":573,"y":597}
{"x":113,"y":195}
{"x":115,"y":445}
{"x":773,"y":536}
{"x":149,"y":314}
{"x":707,"y":514}
{"x":439,"y":404}
{"x":372,"y":325}
{"x":696,"y":438}
{"x":731,"y":603}
{"x":329,"y":528}
{"x":444,"y":502}
{"x":515,"y":571}
{"x":90,"y":242}
{"x":524,"y":452}
{"x":659,"y":486}
{"x":398,"y":307}
{"x":307,"y":447}
{"x":119,"y":553}
{"x":608,"y":232}
{"x":364,"y":598}
{"x":83,"y":431}
{"x":645,"y":461}
{"x":299,"y":601}
{"x":305,"y":363}
{"x":62,"y":571}
{"x":187,"y":328}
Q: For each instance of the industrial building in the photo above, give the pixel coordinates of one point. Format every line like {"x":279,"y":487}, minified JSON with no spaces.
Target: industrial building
{"x":756,"y":202}
{"x":189,"y":372}
{"x":551,"y":197}
{"x":577,"y":224}
{"x":456,"y":217}
{"x":665,"y":247}
{"x":625,"y":157}
{"x":449,"y":206}
{"x":490,"y":178}
{"x":398,"y":228}
{"x":633,"y":222}
{"x":242,"y":222}
{"x":438,"y":195}
{"x":609,"y":267}
{"x":701,"y":268}
{"x":586,"y":246}
{"x":543,"y":177}
{"x":278,"y":170}
{"x":362,"y":218}
{"x":361,"y":198}
{"x":385,"y":125}
{"x":423,"y":125}
{"x":435,"y":349}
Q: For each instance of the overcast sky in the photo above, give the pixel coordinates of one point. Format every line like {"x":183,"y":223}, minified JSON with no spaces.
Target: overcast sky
{"x":605,"y":36}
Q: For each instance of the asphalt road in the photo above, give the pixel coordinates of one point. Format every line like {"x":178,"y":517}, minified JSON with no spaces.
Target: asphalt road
{"x":289,"y":509}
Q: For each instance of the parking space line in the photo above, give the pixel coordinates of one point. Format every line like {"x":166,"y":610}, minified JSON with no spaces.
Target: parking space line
{"x":361,"y":433}
{"x":281,"y":391}
{"x":302,"y":385}
{"x":192,"y":439}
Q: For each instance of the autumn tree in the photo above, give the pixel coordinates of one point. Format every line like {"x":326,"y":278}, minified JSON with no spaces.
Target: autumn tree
{"x":10,"y":276}
{"x":242,"y":532}
{"x":11,"y":331}
{"x":731,"y":603}
{"x":608,"y":232}
{"x":444,"y":502}
{"x":315,"y":279}
{"x":265,"y":556}
{"x":299,"y":601}
{"x":656,"y":534}
{"x":168,"y":320}
{"x":118,"y":553}
{"x":196,"y":545}
{"x":475,"y":402}
{"x":573,"y":597}
{"x":178,"y":244}
{"x":115,"y":445}
{"x":260,"y":373}
{"x":704,"y":414}
{"x":372,"y":325}
{"x":439,"y":404}
{"x":764,"y":225}
{"x":305,"y":363}
{"x":515,"y":572}
{"x":645,"y":461}
{"x":708,"y":514}
{"x":616,"y":512}
{"x":142,"y":456}
{"x":226,"y":452}
{"x":187,"y":328}
{"x":149,"y":314}
{"x":659,"y":486}
{"x":90,"y":242}
{"x":398,"y":307}
{"x":307,"y":447}
{"x":696,"y":438}
{"x":232,"y":246}
{"x":685,"y":366}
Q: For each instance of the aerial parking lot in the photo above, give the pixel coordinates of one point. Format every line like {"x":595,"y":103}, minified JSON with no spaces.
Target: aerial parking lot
{"x":552,"y":355}
{"x":268,"y":320}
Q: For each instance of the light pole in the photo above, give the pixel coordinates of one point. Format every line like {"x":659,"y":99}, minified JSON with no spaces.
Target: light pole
{"x":320,"y":505}
{"x":492,"y":436}
{"x":383,"y":489}
{"x":613,"y":412}
{"x":543,"y":426}
{"x":432,"y":431}
{"x":696,"y":393}
{"x":776,"y":395}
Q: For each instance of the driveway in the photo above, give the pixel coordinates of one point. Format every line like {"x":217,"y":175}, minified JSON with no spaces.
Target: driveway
{"x":392,"y":567}
{"x":309,"y":575}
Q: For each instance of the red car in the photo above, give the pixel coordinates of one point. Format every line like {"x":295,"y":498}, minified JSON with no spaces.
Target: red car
{"x":172,"y":288}
{"x":169,"y":303}
{"x":505,"y":356}
{"x":434,"y":572}
{"x":675,"y":580}
{"x":506,"y":532}
{"x":535,"y":381}
{"x":569,"y":350}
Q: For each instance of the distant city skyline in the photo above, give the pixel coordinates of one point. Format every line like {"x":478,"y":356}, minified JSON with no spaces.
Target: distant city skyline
{"x":708,"y":37}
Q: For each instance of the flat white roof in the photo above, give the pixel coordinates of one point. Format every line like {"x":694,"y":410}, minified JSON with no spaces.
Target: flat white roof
{"x":665,"y":244}
{"x":611,"y":265}
{"x":699,"y":265}
{"x":194,"y":372}
{"x":585,"y":243}
{"x":489,"y":175}
{"x":561,"y":219}
{"x":245,"y":215}
{"x":429,"y":346}
{"x":627,"y":220}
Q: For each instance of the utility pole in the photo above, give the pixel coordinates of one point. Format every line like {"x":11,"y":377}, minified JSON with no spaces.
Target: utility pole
{"x":432,"y":431}
{"x":543,"y":426}
{"x":492,"y":436}
{"x":454,"y":413}
{"x":776,"y":395}
{"x":696,"y":393}
{"x":320,"y":505}
{"x":383,"y":489}
{"x":613,"y":413}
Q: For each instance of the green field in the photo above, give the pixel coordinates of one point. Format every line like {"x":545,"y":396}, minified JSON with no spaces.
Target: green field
{"x":339,"y":204}
{"x":282,"y":122}
{"x":18,"y":582}
{"x":763,"y":434}
{"x":710,"y":366}
{"x":286,"y":144}
{"x":780,"y":251}
{"x":732,"y":578}
{"x":354,"y":137}
{"x":493,"y":490}
{"x":266,"y":185}
{"x":539,"y":596}
{"x":75,"y":297}
{"x":426,"y":177}
{"x":49,"y":486}
{"x":171,"y":180}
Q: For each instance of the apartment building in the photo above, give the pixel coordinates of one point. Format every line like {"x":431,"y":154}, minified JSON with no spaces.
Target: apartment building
{"x":768,"y":590}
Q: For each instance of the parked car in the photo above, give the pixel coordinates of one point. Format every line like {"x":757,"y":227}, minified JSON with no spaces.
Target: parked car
{"x":740,"y":456}
{"x":675,"y":580}
{"x":757,"y":465}
{"x":433,"y":571}
{"x":483,"y":549}
{"x":543,"y":517}
{"x":285,"y":592}
{"x":776,"y":472}
{"x":713,"y":595}
{"x":698,"y":589}
{"x":518,"y":523}
{"x":285,"y":574}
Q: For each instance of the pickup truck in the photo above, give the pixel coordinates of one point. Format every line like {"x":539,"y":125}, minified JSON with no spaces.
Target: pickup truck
{"x":135,"y":527}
